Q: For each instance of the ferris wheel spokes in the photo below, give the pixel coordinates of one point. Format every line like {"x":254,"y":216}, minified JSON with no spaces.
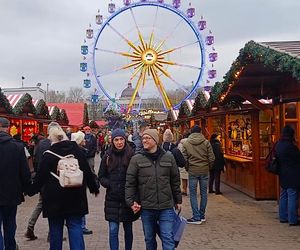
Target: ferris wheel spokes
{"x":141,"y":79}
{"x":130,"y":43}
{"x":168,"y":36}
{"x":160,"y":87}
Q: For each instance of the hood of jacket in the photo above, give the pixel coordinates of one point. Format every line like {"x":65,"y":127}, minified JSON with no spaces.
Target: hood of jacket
{"x":196,"y":138}
{"x":4,"y":137}
{"x":64,"y":147}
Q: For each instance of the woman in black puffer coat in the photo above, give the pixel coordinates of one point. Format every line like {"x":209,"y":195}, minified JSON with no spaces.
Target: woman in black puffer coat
{"x":112,"y":176}
{"x":288,"y":155}
{"x":218,"y":167}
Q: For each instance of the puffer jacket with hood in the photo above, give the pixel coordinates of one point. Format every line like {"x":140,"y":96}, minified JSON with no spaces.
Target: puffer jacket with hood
{"x":14,"y":171}
{"x":199,"y":154}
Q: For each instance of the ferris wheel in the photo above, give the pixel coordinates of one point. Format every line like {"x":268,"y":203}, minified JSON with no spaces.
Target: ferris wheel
{"x":154,"y":46}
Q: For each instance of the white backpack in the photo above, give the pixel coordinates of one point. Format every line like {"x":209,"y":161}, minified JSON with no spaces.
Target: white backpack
{"x":68,"y":171}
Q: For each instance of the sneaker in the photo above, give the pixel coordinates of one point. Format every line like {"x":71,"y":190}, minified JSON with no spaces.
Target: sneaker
{"x":30,"y":234}
{"x":211,"y":191}
{"x":219,"y":193}
{"x":203,"y":220}
{"x":87,"y":231}
{"x":193,"y":221}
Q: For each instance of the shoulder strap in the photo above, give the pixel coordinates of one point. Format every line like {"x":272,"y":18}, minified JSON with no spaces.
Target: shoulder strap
{"x":59,"y":156}
{"x":272,"y":151}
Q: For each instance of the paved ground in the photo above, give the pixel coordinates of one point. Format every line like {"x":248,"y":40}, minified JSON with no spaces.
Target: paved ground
{"x":234,"y":221}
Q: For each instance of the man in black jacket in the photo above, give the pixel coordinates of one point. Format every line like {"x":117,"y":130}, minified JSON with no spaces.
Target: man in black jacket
{"x":14,"y":179}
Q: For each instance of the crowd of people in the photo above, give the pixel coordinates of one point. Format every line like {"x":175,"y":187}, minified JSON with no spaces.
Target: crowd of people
{"x":144,"y":176}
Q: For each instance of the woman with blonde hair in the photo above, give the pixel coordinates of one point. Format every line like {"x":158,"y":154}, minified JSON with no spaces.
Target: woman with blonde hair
{"x":63,"y":205}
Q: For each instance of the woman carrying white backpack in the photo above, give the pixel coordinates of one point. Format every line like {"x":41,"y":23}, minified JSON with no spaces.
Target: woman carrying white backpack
{"x":63,"y":205}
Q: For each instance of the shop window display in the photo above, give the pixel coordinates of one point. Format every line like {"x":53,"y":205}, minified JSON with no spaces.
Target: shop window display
{"x":239,"y":135}
{"x":266,"y":133}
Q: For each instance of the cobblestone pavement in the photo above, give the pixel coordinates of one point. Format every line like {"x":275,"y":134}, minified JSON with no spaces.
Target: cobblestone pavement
{"x":234,"y":221}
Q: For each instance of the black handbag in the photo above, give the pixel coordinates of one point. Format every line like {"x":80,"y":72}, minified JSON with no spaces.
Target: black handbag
{"x":273,"y":164}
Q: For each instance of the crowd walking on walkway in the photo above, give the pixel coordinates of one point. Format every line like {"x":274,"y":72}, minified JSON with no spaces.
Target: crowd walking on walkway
{"x":142,"y":175}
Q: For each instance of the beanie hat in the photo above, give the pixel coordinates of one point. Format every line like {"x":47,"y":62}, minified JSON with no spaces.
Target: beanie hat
{"x":196,"y":129}
{"x":118,"y":132}
{"x":288,"y":132}
{"x":168,"y":136}
{"x":153,"y":133}
{"x":78,"y":137}
{"x":4,"y":123}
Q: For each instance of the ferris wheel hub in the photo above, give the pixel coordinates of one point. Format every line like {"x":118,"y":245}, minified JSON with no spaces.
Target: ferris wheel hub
{"x":149,"y":57}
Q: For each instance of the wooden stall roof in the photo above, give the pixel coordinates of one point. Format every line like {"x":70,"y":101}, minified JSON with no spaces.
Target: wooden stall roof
{"x":267,"y":70}
{"x":291,"y":48}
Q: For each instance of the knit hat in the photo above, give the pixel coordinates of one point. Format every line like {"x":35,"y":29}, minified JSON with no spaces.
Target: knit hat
{"x":4,"y":123}
{"x":153,"y":133}
{"x":288,"y":132}
{"x":118,"y":132}
{"x":168,"y":136}
{"x":78,"y":137}
{"x":196,"y":129}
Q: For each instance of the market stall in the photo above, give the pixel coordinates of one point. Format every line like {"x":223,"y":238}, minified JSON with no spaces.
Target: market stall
{"x":259,"y":95}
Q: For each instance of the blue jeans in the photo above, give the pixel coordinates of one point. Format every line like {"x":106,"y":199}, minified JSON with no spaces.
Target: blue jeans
{"x":288,"y":205}
{"x":198,"y":213}
{"x":164,"y":219}
{"x":73,"y":223}
{"x":8,"y":221}
{"x":114,"y":235}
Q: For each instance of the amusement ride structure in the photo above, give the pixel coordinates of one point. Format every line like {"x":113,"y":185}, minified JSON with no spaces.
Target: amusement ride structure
{"x":152,"y":44}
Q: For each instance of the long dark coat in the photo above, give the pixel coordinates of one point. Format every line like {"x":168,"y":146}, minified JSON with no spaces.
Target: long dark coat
{"x":219,"y":156}
{"x":14,"y":171}
{"x":289,"y":157}
{"x":114,"y":179}
{"x":59,"y":201}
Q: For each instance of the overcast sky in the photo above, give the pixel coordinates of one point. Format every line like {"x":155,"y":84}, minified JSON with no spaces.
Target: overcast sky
{"x":41,"y":40}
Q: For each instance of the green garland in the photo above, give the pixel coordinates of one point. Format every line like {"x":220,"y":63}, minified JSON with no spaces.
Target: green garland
{"x":24,"y":105}
{"x":5,"y":103}
{"x":85,"y":120}
{"x":199,"y":104}
{"x":64,"y":117}
{"x":42,"y":109}
{"x":55,"y":114}
{"x":255,"y":53}
{"x":183,"y":111}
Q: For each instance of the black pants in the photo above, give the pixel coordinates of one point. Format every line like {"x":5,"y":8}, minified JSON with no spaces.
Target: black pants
{"x":214,"y":177}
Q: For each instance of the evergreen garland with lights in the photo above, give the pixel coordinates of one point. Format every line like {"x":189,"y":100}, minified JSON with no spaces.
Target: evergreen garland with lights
{"x":4,"y":103}
{"x":255,"y":53}
{"x":183,"y":111}
{"x":42,"y":109}
{"x":199,"y":104}
{"x":24,"y":105}
{"x":64,"y":117}
{"x":55,"y":114}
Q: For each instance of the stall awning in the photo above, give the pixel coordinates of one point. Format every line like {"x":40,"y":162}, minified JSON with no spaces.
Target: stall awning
{"x":74,"y":112}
